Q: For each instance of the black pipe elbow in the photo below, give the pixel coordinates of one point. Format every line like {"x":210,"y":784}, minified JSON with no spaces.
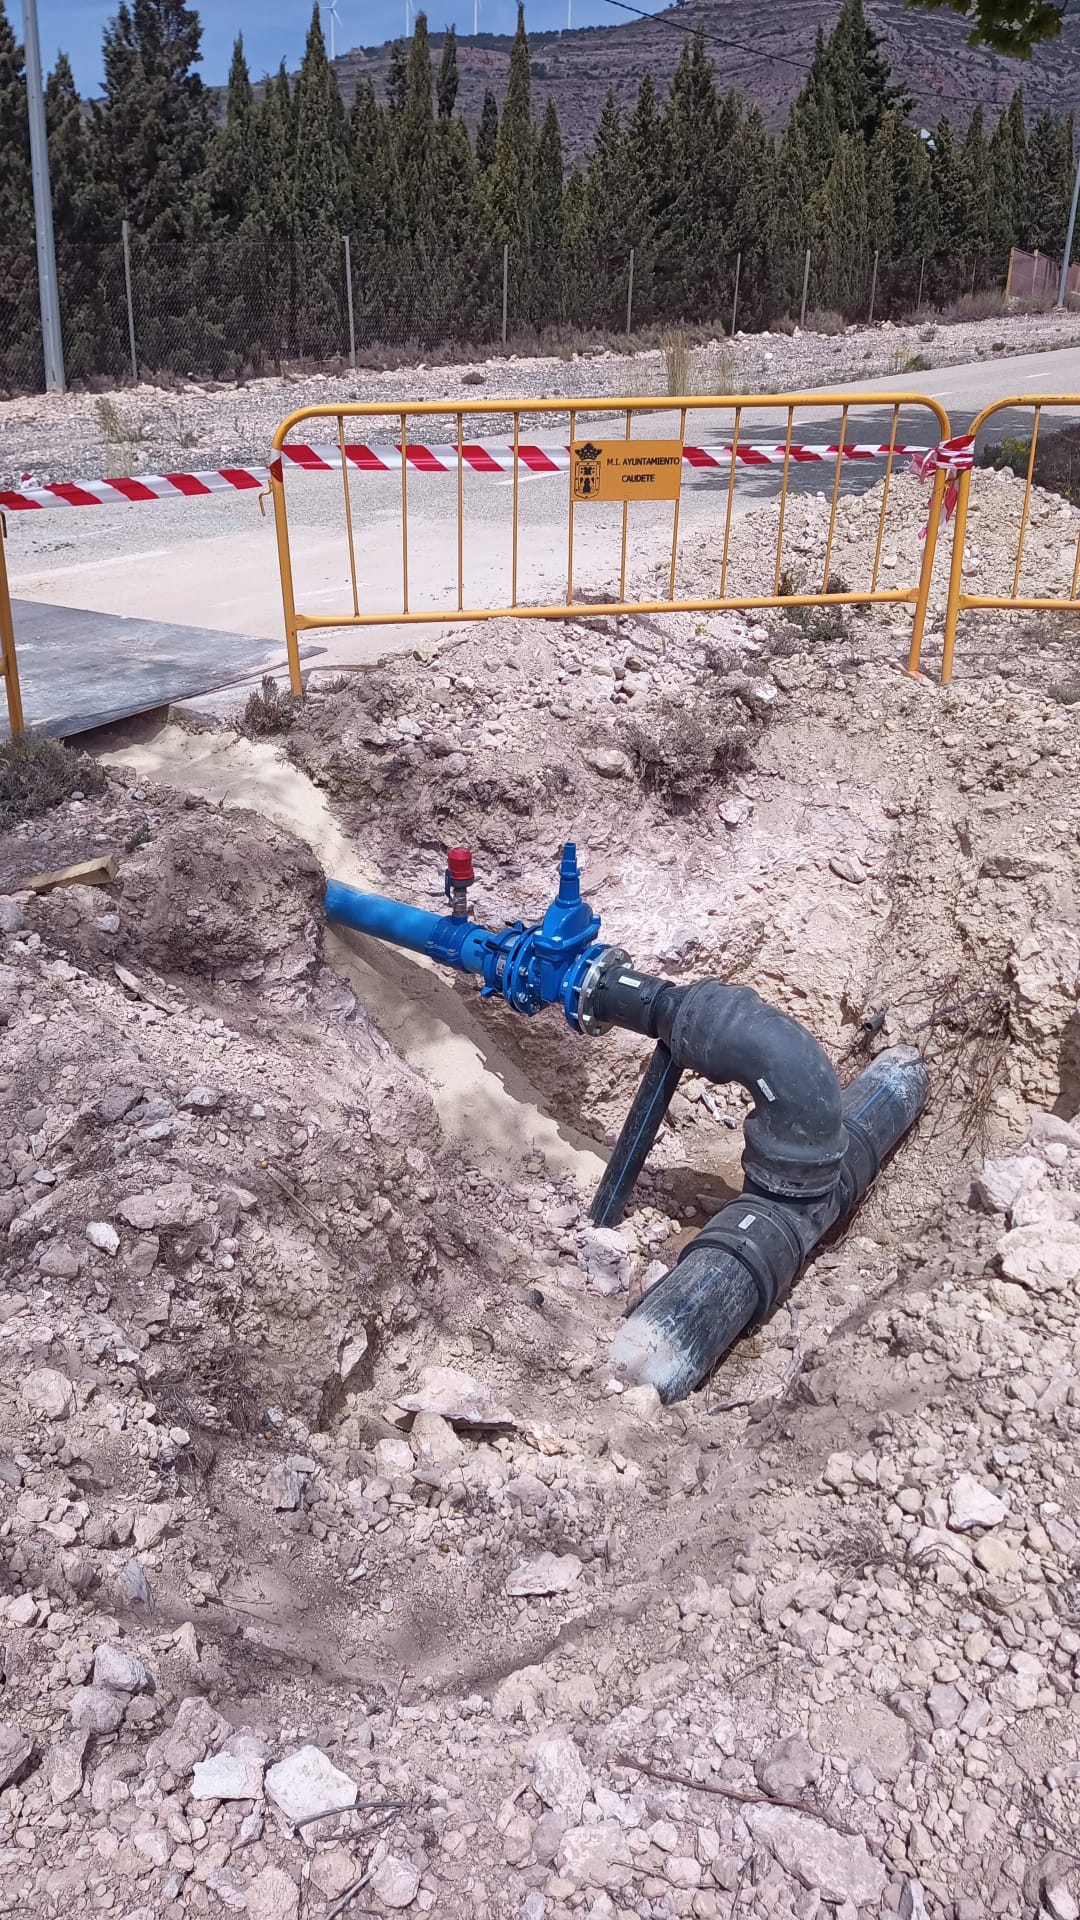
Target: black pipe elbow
{"x":733,"y":1274}
{"x":795,"y":1136}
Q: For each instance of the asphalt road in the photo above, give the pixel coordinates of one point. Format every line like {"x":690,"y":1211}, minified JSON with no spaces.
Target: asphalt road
{"x":212,"y":562}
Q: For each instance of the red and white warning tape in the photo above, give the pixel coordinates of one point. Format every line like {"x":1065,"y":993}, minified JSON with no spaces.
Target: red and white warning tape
{"x":31,"y":496}
{"x":951,"y":457}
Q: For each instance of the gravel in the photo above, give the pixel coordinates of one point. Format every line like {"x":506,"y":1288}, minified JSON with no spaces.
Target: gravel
{"x":59,"y":436}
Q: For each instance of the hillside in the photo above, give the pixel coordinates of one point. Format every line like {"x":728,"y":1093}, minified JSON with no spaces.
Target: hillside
{"x":928,"y":51}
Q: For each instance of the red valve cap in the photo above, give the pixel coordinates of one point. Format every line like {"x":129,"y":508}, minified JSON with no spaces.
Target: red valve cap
{"x":460,"y":867}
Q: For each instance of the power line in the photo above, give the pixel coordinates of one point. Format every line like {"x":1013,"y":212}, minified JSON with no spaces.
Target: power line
{"x":725,"y":41}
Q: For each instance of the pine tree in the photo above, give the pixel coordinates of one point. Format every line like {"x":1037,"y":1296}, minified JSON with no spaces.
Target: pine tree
{"x":447,"y":87}
{"x":512,"y":180}
{"x":487,"y":133}
{"x":317,"y":203}
{"x":549,"y":236}
{"x":20,"y":329}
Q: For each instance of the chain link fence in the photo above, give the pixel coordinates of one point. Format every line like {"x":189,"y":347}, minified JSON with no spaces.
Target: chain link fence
{"x":243,"y":306}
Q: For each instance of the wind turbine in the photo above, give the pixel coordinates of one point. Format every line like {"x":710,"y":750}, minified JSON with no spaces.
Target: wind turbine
{"x":334,"y":18}
{"x":475,"y":17}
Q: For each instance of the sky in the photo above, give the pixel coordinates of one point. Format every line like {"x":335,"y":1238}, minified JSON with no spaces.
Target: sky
{"x":275,"y":29}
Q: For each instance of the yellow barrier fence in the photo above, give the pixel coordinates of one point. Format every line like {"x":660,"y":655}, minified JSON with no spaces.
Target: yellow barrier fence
{"x":598,"y":468}
{"x":9,"y":666}
{"x":959,"y":601}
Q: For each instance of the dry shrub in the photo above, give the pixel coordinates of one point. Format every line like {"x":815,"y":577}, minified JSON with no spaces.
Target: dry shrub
{"x":986,"y":304}
{"x":676,"y":351}
{"x":824,"y":320}
{"x":269,"y":710}
{"x":684,"y":752}
{"x":37,"y":773}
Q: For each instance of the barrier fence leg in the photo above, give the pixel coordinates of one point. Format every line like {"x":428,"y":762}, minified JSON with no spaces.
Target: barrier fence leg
{"x":929,"y":550}
{"x":9,"y":665}
{"x":956,"y":577}
{"x":288,"y":599}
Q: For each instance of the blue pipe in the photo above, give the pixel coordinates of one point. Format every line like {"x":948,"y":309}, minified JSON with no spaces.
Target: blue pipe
{"x":454,"y":941}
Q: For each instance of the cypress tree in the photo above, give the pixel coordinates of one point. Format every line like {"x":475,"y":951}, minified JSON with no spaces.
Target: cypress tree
{"x":1050,"y":175}
{"x":20,"y":344}
{"x":416,"y":165}
{"x":859,"y":75}
{"x":978,"y":189}
{"x":841,"y":240}
{"x":548,"y":246}
{"x":464,"y":306}
{"x":755,"y":219}
{"x":913,"y":210}
{"x":397,"y":79}
{"x":512,"y":179}
{"x":447,"y":88}
{"x":950,"y":215}
{"x":1008,"y":184}
{"x":377,"y":217}
{"x":152,"y":126}
{"x":317,"y":203}
{"x":644,"y":161}
{"x":86,"y":251}
{"x":487,"y":133}
{"x":692,"y":244}
{"x":604,"y":243}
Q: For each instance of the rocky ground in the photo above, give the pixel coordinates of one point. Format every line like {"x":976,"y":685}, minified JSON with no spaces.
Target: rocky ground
{"x":339,"y":1574}
{"x":188,"y":425}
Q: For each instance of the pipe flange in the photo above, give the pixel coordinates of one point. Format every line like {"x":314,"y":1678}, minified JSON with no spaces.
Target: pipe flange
{"x":586,"y":1019}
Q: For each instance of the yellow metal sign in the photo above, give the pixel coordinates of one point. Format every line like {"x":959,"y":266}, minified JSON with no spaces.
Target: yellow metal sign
{"x":626,"y":469}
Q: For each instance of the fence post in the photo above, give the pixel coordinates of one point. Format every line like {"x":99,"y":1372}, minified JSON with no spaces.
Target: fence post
{"x":1009,"y":275}
{"x":805,"y":289}
{"x":125,"y":231}
{"x":9,"y":665}
{"x":922,"y":269}
{"x":873,"y":288}
{"x":735,"y":300}
{"x":630,"y":293}
{"x":506,"y":275}
{"x":348,"y":297}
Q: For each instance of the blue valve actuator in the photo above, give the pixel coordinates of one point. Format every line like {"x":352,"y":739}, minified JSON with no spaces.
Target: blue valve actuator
{"x":531,"y":967}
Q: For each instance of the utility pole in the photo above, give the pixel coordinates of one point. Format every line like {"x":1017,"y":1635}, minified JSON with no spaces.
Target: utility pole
{"x":1069,"y":237}
{"x":52,"y":343}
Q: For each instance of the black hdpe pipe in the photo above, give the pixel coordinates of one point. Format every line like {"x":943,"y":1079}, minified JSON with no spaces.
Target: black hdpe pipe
{"x":811,"y":1153}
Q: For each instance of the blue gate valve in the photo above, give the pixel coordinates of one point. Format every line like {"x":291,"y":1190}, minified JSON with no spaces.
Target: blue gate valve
{"x":555,"y":963}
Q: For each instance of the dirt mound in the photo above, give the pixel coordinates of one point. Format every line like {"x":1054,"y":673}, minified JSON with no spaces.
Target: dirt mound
{"x":315,"y":1484}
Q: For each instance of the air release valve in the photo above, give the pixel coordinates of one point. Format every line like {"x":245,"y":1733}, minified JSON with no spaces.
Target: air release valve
{"x":459,"y":878}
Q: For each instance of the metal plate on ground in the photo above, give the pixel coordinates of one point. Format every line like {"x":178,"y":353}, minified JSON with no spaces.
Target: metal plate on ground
{"x":81,"y":670}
